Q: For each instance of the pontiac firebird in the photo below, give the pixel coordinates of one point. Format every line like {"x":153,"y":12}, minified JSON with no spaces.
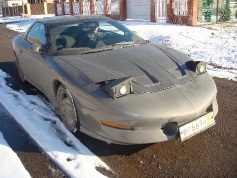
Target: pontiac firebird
{"x":117,"y":87}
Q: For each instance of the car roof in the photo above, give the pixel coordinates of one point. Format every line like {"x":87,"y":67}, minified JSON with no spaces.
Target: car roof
{"x":68,"y":18}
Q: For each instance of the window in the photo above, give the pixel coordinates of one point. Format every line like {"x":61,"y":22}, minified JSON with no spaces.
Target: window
{"x":181,"y":7}
{"x":109,"y":27}
{"x":36,"y":34}
{"x":91,"y":34}
{"x":114,"y":6}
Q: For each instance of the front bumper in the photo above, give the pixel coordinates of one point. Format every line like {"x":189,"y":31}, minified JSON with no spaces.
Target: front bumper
{"x":155,"y":117}
{"x":162,"y":130}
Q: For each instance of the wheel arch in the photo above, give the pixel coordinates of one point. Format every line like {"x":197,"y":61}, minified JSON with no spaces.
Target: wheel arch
{"x":56,"y":84}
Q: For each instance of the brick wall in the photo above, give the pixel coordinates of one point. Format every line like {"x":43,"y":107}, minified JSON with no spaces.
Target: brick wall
{"x":190,"y":19}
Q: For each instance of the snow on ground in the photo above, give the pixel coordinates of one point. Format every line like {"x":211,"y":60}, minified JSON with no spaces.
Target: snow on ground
{"x":10,"y":164}
{"x":19,"y":23}
{"x":38,"y":118}
{"x":11,"y":19}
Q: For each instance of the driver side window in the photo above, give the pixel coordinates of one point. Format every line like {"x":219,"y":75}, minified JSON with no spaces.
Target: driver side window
{"x":36,"y":34}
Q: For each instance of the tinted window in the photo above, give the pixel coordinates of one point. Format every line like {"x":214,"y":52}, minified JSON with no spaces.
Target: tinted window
{"x":36,"y":34}
{"x":89,"y":34}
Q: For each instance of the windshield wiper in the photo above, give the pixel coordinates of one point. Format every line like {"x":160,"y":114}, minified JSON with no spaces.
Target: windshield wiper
{"x":125,"y":44}
{"x":96,"y":50}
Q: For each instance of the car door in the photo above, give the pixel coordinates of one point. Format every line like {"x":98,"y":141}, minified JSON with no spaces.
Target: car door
{"x":32,"y":62}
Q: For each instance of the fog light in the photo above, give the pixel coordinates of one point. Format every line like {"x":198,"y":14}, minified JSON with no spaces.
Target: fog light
{"x":198,"y":67}
{"x":119,"y":87}
{"x":123,"y":90}
{"x":202,"y":69}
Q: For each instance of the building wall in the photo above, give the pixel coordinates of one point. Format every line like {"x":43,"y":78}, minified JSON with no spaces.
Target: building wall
{"x":190,"y":19}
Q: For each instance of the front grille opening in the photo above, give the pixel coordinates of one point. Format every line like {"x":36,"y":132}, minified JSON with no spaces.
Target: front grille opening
{"x":209,"y":109}
{"x":170,"y":129}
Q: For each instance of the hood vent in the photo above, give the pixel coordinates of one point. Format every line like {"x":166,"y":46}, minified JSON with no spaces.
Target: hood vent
{"x":178,"y":72}
{"x":144,"y":80}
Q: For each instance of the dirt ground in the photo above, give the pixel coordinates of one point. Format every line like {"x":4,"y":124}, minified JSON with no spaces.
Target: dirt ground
{"x":212,"y":153}
{"x":223,"y":25}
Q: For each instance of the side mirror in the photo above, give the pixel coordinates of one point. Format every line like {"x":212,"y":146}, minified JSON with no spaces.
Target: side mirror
{"x":39,"y":48}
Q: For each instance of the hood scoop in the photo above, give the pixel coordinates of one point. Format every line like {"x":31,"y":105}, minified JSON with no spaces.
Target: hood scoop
{"x":144,"y":84}
{"x":152,"y":67}
{"x":177,"y":72}
{"x":145,"y":80}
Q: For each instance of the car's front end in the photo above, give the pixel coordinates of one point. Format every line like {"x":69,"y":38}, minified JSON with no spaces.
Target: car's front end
{"x":151,"y":102}
{"x":152,"y":117}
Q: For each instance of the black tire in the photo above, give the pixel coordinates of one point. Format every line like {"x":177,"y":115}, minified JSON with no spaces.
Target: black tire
{"x":19,"y":69}
{"x":67,"y":108}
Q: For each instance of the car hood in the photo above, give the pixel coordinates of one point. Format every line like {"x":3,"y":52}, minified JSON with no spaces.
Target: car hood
{"x":153,"y":67}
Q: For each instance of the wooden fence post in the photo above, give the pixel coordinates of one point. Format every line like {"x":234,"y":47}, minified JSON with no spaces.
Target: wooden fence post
{"x":8,"y":10}
{"x":71,"y":7}
{"x":55,"y":7}
{"x":63,"y":8}
{"x":28,"y":8}
{"x":92,"y":6}
{"x":123,"y":10}
{"x":45,"y":8}
{"x":81,"y":6}
{"x":3,"y":11}
{"x":153,"y":14}
{"x":106,"y":7}
{"x":23,"y":8}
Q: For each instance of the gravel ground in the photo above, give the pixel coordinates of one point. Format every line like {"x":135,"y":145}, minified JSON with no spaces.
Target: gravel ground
{"x":212,"y":153}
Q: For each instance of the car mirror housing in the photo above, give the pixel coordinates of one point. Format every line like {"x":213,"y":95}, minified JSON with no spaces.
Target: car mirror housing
{"x":38,"y":48}
{"x":198,"y":67}
{"x":119,"y":87}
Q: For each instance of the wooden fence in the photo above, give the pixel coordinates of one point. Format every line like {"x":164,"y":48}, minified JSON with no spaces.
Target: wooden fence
{"x":37,"y":9}
{"x":29,"y":9}
{"x":14,"y":10}
{"x":111,"y":8}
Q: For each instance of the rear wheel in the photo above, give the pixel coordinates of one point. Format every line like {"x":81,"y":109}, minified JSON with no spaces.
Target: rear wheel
{"x":19,"y":69}
{"x":67,"y":108}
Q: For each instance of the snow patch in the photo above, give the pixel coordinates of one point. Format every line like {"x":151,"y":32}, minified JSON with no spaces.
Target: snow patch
{"x":10,"y":164}
{"x":38,"y":118}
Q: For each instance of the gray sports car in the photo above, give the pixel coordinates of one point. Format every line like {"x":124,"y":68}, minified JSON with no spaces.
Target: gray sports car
{"x":111,"y":84}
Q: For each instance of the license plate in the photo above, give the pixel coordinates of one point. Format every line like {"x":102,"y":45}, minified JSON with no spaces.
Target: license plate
{"x":192,"y":128}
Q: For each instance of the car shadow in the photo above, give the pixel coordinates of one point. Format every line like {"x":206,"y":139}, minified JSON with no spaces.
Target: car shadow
{"x":101,"y":148}
{"x":14,"y":134}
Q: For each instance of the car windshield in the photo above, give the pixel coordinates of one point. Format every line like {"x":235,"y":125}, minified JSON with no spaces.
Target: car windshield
{"x":86,"y":36}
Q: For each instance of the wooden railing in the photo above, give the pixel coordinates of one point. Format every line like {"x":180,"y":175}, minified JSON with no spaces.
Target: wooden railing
{"x":109,"y":8}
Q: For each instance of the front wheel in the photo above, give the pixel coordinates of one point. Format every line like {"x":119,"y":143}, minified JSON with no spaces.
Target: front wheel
{"x":67,"y":108}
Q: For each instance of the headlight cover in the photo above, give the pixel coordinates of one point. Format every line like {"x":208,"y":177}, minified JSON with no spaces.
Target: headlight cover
{"x":198,"y":67}
{"x":119,"y":87}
